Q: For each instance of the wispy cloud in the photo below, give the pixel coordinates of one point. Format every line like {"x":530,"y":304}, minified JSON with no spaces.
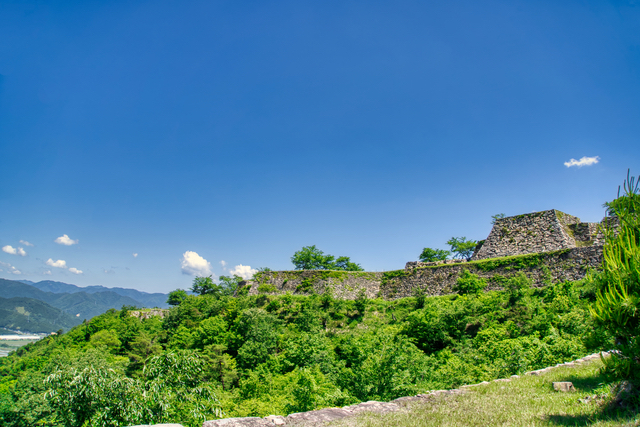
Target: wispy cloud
{"x":47,"y":273}
{"x":584,"y":161}
{"x":244,"y":271}
{"x":223,"y":263}
{"x":75,"y":270}
{"x":10,"y":268}
{"x":66,"y":240}
{"x":135,"y":255}
{"x":58,"y":264}
{"x":14,"y":251}
{"x":24,"y":242}
{"x":194,"y":265}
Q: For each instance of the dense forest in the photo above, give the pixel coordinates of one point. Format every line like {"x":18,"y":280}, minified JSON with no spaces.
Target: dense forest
{"x":216,"y":355}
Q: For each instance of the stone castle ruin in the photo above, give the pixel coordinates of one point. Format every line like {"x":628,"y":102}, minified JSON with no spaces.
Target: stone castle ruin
{"x":547,"y":246}
{"x":538,"y":232}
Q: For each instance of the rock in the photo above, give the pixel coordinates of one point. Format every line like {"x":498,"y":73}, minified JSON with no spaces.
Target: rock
{"x":238,"y":422}
{"x":502,"y":380}
{"x":276,"y":420}
{"x":406,"y":400}
{"x":321,"y":415}
{"x":373,"y":406}
{"x":563,"y":386}
{"x":158,"y":425}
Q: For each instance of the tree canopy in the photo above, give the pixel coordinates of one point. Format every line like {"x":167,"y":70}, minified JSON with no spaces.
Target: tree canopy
{"x":312,"y":258}
{"x":462,"y":248}
{"x":617,"y":307}
{"x":431,"y":255}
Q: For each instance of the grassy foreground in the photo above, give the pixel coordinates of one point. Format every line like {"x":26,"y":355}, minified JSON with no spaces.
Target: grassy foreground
{"x":524,"y":401}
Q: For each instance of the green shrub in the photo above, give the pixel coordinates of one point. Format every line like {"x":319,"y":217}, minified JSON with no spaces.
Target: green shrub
{"x":469,"y":283}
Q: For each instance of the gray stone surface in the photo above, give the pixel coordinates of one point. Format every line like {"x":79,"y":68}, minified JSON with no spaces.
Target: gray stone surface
{"x":536,"y":232}
{"x":158,"y":425}
{"x":563,"y":386}
{"x":373,"y":406}
{"x":239,"y":422}
{"x":406,"y":400}
{"x":276,"y":420}
{"x":318,"y":416}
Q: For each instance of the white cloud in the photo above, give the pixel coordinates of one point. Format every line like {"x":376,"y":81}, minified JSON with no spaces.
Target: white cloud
{"x":14,"y":251}
{"x":135,"y":255}
{"x":66,"y":240}
{"x":10,"y":268}
{"x":47,"y":273}
{"x":244,"y":271}
{"x":24,"y":242}
{"x":223,"y":263}
{"x":75,"y":270}
{"x":194,"y":265}
{"x":585,"y":161}
{"x":10,"y":250}
{"x":58,"y":264}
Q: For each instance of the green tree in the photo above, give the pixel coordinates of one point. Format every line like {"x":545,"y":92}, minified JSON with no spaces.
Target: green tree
{"x":258,"y":332}
{"x":344,"y":263}
{"x":176,"y":297}
{"x":516,"y":287}
{"x":431,"y":255}
{"x":312,"y":258}
{"x":106,"y":338}
{"x":461,"y":247}
{"x":206,"y":286}
{"x":102,"y":396}
{"x":469,"y":283}
{"x":617,"y":306}
{"x":229,"y":284}
{"x":219,"y":366}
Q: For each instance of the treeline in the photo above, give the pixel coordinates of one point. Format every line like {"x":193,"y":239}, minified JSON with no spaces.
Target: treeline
{"x":214,"y":355}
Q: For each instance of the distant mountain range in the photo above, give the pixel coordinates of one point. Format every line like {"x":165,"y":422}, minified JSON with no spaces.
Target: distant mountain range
{"x":57,"y":305}
{"x":144,"y":299}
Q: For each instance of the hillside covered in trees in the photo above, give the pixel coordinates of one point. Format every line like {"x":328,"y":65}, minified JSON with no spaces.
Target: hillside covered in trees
{"x":213,"y":356}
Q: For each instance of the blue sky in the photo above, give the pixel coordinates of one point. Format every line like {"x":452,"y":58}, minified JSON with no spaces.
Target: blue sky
{"x":195,"y":132}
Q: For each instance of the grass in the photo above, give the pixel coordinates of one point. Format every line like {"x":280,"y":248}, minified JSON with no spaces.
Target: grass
{"x":524,"y":401}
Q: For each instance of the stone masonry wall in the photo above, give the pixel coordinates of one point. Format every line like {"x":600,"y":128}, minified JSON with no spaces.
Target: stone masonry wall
{"x":522,"y":234}
{"x":437,"y":279}
{"x":536,"y":232}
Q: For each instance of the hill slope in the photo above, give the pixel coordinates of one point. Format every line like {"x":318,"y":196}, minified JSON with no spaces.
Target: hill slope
{"x":31,"y":315}
{"x":84,"y":304}
{"x":144,"y":299}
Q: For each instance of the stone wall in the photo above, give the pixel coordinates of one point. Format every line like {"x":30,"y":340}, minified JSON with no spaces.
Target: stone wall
{"x":544,"y":231}
{"x":432,"y":278}
{"x":147,"y":314}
